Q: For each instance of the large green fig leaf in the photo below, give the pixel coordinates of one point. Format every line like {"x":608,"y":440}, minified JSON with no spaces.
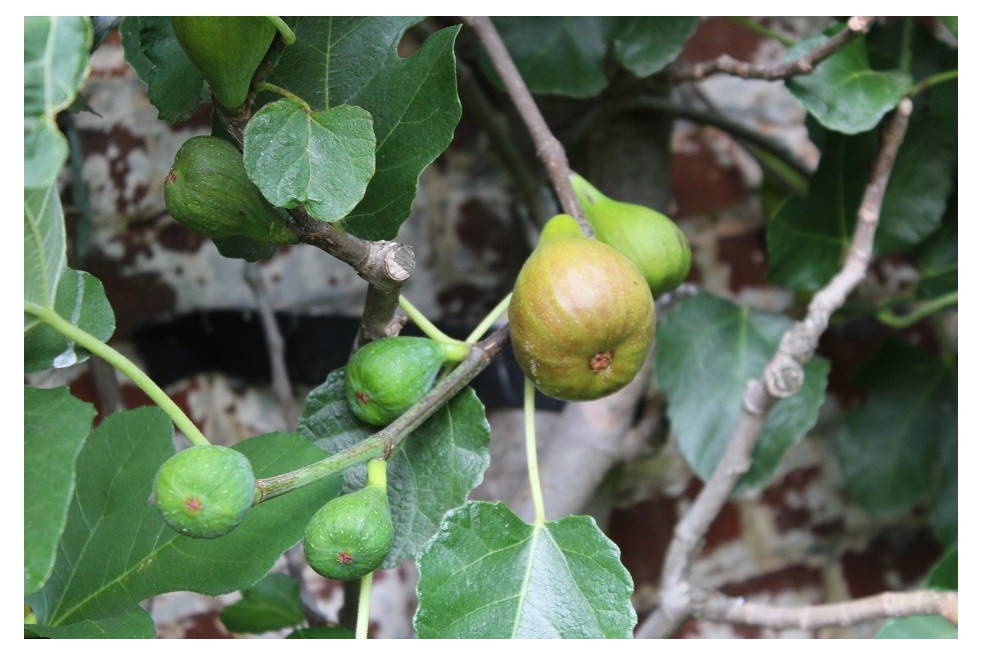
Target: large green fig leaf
{"x":49,"y":284}
{"x":116,"y":550}
{"x":56,"y":62}
{"x":413,"y":101}
{"x":561,"y":55}
{"x":944,"y":574}
{"x":56,"y":424}
{"x":844,"y":93}
{"x":321,"y":160}
{"x":488,"y":575}
{"x":274,"y":603}
{"x":889,"y":449}
{"x":134,"y":623}
{"x":129,"y":36}
{"x":647,"y":44}
{"x":176,"y":85}
{"x":437,"y":466}
{"x":708,"y":348}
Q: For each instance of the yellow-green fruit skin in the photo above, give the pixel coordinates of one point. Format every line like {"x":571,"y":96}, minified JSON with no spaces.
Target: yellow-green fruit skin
{"x":208,"y":191}
{"x":651,"y":240}
{"x":226,"y":49}
{"x":205,"y":491}
{"x":350,"y":536}
{"x":582,"y":318}
{"x":387,"y":376}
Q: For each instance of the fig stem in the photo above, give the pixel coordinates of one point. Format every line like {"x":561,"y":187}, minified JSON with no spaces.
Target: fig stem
{"x":489,"y":320}
{"x":286,"y":33}
{"x":376,"y":473}
{"x":364,"y":601}
{"x":921,"y":311}
{"x":423,"y":323}
{"x":266,"y":86}
{"x":124,"y":365}
{"x":531,"y":455}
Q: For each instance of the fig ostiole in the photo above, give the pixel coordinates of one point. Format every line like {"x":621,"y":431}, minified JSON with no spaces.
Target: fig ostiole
{"x":582,"y":318}
{"x":208,"y":191}
{"x":205,"y":491}
{"x":227,"y":50}
{"x":386,"y":377}
{"x":651,"y":240}
{"x":350,"y":536}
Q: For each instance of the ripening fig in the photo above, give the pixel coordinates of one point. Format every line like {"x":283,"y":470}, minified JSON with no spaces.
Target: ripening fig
{"x":208,"y":191}
{"x":387,"y":376}
{"x":226,"y":49}
{"x":651,"y":240}
{"x":582,"y":318}
{"x":350,"y":536}
{"x":205,"y":491}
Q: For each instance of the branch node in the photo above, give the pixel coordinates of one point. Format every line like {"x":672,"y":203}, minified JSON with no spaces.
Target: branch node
{"x":753,"y":403}
{"x":784,"y":376}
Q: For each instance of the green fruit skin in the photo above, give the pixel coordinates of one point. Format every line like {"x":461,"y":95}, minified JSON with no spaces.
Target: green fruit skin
{"x":208,"y":191}
{"x":350,"y":536}
{"x":651,"y":240}
{"x":226,"y":49}
{"x":582,"y":319}
{"x":386,"y":377}
{"x":205,"y":491}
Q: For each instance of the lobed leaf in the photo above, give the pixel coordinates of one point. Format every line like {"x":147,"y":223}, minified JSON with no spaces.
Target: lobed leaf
{"x":272,"y":604}
{"x":708,"y":348}
{"x":56,"y":424}
{"x":176,"y":86}
{"x":134,"y":623}
{"x":488,"y":575}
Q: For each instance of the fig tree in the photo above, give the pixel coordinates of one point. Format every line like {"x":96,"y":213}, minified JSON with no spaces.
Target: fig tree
{"x":582,"y":318}
{"x":205,"y":491}
{"x":651,"y":240}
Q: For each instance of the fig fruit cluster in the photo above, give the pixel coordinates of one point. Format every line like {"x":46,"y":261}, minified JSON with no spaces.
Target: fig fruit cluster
{"x":205,"y":491}
{"x":208,"y":191}
{"x":226,"y":49}
{"x":582,"y":317}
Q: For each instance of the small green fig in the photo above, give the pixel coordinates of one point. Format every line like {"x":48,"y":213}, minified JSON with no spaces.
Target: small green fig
{"x":226,"y":49}
{"x":208,"y":191}
{"x":205,"y":491}
{"x":351,"y":535}
{"x":651,"y":240}
{"x":386,"y":377}
{"x":581,"y":317}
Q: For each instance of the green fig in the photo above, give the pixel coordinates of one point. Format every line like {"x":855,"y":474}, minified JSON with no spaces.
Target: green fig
{"x":227,"y":50}
{"x":651,"y":240}
{"x":386,"y":377}
{"x":205,"y":491}
{"x":208,"y":191}
{"x":581,"y":317}
{"x":350,"y":536}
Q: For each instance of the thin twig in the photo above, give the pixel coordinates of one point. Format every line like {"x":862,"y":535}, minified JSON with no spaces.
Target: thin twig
{"x":855,"y":27}
{"x":782,"y":377}
{"x":275,"y":344}
{"x":547,"y":146}
{"x":871,"y":608}
{"x":385,"y":265}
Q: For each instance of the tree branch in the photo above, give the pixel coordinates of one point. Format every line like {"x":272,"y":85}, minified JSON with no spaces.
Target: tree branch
{"x":547,"y":146}
{"x":871,"y":608}
{"x":855,"y":27}
{"x":274,"y":343}
{"x":782,"y":377}
{"x":385,"y":265}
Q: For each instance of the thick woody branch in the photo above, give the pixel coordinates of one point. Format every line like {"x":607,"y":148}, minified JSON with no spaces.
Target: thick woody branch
{"x":385,"y":265}
{"x":782,"y":377}
{"x":855,"y":27}
{"x":871,"y":608}
{"x":547,"y":146}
